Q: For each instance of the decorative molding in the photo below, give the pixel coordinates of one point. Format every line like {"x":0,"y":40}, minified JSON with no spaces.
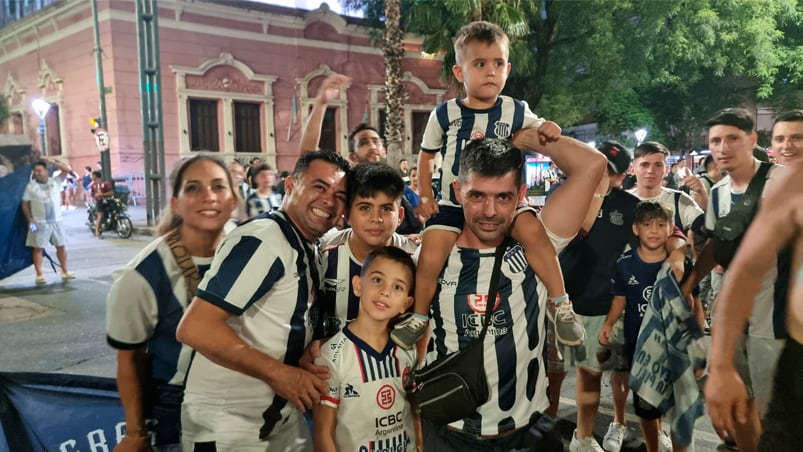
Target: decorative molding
{"x":437,"y":92}
{"x":14,"y":94}
{"x":49,"y":82}
{"x":227,"y":80}
{"x":324,"y":14}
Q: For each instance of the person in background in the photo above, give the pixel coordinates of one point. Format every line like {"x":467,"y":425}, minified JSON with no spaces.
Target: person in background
{"x":404,"y":167}
{"x":787,"y":137}
{"x":263,"y":198}
{"x":411,"y":190}
{"x":149,"y":295}
{"x":102,"y":193}
{"x":242,"y":189}
{"x":41,"y":205}
{"x":86,"y":184}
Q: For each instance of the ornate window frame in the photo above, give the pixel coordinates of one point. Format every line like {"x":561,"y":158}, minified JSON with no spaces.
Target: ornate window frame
{"x":220,"y":90}
{"x":16,"y":98}
{"x":341,"y":102}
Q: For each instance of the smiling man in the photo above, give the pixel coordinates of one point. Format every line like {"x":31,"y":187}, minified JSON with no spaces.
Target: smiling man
{"x":489,"y":187}
{"x":787,"y":137}
{"x":732,"y":138}
{"x":249,"y":322}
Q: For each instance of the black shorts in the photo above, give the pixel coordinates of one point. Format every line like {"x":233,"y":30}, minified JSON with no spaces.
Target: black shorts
{"x":642,"y":408}
{"x":781,"y":425}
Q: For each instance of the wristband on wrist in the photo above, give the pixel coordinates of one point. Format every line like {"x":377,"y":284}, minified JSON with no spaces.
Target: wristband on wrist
{"x":560,"y":299}
{"x":599,"y":195}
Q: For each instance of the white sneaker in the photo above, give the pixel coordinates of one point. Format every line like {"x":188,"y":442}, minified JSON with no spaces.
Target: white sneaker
{"x":614,"y":438}
{"x":588,"y":444}
{"x":664,"y":442}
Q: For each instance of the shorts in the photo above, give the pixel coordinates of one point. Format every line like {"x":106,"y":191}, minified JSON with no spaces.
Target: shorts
{"x":781,"y":425}
{"x":236,"y":428}
{"x":52,"y":233}
{"x":593,"y":325}
{"x":451,"y":218}
{"x":755,"y":360}
{"x":644,"y":410}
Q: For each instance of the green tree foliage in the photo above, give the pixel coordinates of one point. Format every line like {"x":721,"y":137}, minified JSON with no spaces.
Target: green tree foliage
{"x":578,"y":61}
{"x":4,"y":114}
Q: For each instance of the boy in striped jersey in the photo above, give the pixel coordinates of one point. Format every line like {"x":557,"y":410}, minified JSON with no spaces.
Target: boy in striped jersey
{"x":373,"y":212}
{"x":481,"y":65}
{"x":367,"y":369}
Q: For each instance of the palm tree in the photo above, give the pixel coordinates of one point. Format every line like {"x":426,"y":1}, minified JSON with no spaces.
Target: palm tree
{"x":394,"y":91}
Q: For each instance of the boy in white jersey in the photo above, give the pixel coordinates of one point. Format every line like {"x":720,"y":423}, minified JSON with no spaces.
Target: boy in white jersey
{"x":373,"y":212}
{"x":481,"y":56}
{"x":366,"y":407}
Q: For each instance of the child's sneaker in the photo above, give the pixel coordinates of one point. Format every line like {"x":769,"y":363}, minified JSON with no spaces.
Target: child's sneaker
{"x":612,"y":442}
{"x":67,"y":276}
{"x":568,"y":329}
{"x":664,"y":442}
{"x":407,"y":332}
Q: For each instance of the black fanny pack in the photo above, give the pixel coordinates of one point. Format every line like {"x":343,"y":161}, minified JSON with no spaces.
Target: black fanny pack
{"x":730,"y":229}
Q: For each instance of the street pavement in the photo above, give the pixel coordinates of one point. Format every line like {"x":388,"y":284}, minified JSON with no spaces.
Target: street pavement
{"x":59,"y":327}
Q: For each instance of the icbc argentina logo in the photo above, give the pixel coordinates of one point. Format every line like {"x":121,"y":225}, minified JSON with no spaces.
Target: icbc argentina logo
{"x":385,"y":397}
{"x":479,"y":301}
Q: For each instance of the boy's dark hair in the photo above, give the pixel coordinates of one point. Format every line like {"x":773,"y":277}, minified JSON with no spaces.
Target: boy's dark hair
{"x":260,"y":168}
{"x":394,"y":254}
{"x":368,"y":179}
{"x":651,"y":210}
{"x":41,"y":163}
{"x":649,"y":148}
{"x":709,"y":160}
{"x":490,"y":157}
{"x":357,"y":129}
{"x":305,"y":160}
{"x":480,"y":31}
{"x":736,"y":117}
{"x":789,"y":116}
{"x":97,"y":173}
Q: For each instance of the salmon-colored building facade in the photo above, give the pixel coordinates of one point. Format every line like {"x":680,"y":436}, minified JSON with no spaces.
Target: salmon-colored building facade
{"x":237,"y":78}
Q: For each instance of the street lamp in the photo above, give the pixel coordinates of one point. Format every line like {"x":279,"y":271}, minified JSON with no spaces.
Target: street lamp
{"x":640,"y":134}
{"x":41,"y":107}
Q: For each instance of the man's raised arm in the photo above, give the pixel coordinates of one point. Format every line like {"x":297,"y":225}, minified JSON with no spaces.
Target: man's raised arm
{"x":585,"y":167}
{"x":328,"y":91}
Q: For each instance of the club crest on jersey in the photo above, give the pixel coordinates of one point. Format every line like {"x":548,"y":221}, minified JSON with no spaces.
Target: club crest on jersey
{"x":617,"y":218}
{"x":479,"y":301}
{"x":501,"y":129}
{"x":647,"y":293}
{"x":386,"y":397}
{"x":514,"y":257}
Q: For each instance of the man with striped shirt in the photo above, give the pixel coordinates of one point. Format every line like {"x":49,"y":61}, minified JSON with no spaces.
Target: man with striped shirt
{"x":249,"y":322}
{"x":489,"y":187}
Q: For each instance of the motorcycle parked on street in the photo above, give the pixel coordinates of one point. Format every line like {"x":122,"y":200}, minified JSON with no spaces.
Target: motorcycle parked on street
{"x":115,"y":219}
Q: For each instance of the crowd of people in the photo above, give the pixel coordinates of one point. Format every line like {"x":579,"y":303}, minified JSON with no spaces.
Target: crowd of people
{"x":299,"y":328}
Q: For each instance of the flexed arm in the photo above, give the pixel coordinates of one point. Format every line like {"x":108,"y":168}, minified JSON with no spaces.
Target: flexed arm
{"x":328,"y":91}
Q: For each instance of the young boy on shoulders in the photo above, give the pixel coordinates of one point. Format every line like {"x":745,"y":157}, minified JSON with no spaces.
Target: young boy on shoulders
{"x":482,"y":66}
{"x":366,"y":407}
{"x":632,"y":281}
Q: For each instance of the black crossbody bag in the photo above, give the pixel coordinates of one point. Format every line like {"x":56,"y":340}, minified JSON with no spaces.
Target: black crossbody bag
{"x":453,"y":386}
